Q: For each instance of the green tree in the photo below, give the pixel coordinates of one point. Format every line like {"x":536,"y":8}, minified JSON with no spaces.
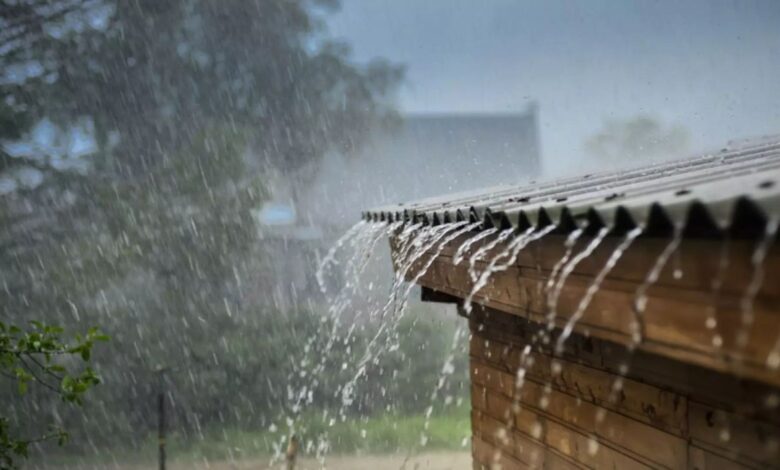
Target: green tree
{"x":39,"y":356}
{"x":190,"y":104}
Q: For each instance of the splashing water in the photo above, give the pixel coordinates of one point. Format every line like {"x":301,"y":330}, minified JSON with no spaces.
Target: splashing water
{"x":524,"y":361}
{"x":747,"y":315}
{"x":426,"y":243}
{"x":640,"y":298}
{"x":482,"y":279}
{"x":511,"y":252}
{"x":483,"y":250}
{"x":356,"y":265}
{"x":569,"y":268}
{"x":442,"y":241}
{"x":571,"y":240}
{"x":639,"y":306}
{"x":711,"y":323}
{"x":437,"y":252}
{"x":617,"y":253}
{"x":330,"y":257}
{"x":447,"y":370}
{"x":430,"y":240}
{"x":746,"y":303}
{"x":594,"y":287}
{"x":464,"y":247}
{"x":358,"y":245}
{"x":436,"y":242}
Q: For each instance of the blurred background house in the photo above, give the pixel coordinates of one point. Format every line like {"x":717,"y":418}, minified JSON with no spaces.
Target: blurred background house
{"x":424,"y":155}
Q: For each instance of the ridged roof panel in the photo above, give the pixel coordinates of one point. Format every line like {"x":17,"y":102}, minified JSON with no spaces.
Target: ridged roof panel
{"x":704,"y":196}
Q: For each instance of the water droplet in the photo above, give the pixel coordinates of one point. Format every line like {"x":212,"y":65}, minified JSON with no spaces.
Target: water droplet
{"x":593,"y":446}
{"x":773,"y":360}
{"x":772,"y":400}
{"x":544,"y":402}
{"x":536,"y":430}
{"x":502,"y":435}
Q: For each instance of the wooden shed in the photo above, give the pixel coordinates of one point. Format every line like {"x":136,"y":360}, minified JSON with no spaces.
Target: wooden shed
{"x":627,"y":320}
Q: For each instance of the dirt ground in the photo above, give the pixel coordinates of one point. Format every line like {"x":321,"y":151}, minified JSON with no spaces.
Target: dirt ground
{"x":429,"y":461}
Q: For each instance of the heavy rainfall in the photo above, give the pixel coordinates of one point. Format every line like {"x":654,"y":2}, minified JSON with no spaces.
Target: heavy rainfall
{"x":295,"y":233}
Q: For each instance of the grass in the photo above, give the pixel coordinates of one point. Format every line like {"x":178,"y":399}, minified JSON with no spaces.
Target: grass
{"x":383,"y":434}
{"x":375,"y":435}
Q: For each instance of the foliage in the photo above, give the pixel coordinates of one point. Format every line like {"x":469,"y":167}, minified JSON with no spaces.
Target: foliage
{"x":378,"y":434}
{"x":39,"y":356}
{"x":190,"y":105}
{"x":385,"y":433}
{"x":638,"y":137}
{"x":404,"y":379}
{"x":250,"y":66}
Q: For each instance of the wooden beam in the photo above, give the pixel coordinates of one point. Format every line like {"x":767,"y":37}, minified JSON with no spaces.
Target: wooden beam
{"x":675,"y":320}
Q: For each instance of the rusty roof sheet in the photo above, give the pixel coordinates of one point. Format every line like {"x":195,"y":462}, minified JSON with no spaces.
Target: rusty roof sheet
{"x":735,"y":190}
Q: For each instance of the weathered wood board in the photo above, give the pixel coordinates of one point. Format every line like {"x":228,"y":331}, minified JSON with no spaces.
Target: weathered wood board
{"x":696,"y":311}
{"x":573,"y":419}
{"x":691,"y":395}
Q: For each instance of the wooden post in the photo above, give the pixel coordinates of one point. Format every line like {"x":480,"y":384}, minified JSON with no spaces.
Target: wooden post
{"x":292,"y":452}
{"x":161,"y":418}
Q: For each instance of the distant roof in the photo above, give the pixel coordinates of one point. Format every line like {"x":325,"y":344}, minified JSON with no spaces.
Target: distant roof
{"x":736,"y":189}
{"x":425,"y":155}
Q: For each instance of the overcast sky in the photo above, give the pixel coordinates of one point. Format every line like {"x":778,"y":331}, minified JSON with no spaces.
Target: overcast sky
{"x":712,"y":66}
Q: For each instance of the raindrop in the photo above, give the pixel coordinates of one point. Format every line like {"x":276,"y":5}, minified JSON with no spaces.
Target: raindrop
{"x":640,"y":298}
{"x":596,"y":283}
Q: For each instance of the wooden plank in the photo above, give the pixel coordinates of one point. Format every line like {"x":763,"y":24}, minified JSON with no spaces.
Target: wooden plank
{"x":733,"y":436}
{"x":723,"y":391}
{"x":527,"y":449}
{"x":697,"y":259}
{"x":589,"y":451}
{"x":488,"y":458}
{"x":498,"y":340}
{"x":562,"y":441}
{"x":674,"y":320}
{"x":505,"y":440}
{"x":633,"y":437}
{"x":701,"y":459}
{"x":657,"y":407}
{"x":558,"y":437}
{"x":508,"y":334}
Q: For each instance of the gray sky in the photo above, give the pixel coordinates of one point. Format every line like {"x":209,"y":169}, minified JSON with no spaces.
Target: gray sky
{"x":712,"y":66}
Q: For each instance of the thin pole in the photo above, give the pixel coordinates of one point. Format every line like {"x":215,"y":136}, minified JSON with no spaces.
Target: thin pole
{"x":292,"y":452}
{"x":161,"y":420}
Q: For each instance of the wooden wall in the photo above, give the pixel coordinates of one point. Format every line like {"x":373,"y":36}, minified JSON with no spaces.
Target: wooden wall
{"x":679,"y":308}
{"x":667,"y":414}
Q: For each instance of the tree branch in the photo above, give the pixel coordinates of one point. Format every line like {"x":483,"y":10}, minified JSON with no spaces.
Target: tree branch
{"x":36,"y":377}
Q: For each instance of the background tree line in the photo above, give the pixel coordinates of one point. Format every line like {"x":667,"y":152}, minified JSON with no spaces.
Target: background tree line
{"x":161,"y":121}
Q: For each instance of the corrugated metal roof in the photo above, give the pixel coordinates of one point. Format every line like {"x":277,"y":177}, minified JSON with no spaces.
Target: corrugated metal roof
{"x":736,"y":189}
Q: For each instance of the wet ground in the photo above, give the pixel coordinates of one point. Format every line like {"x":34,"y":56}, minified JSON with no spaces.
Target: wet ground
{"x":429,"y":461}
{"x":432,"y":461}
